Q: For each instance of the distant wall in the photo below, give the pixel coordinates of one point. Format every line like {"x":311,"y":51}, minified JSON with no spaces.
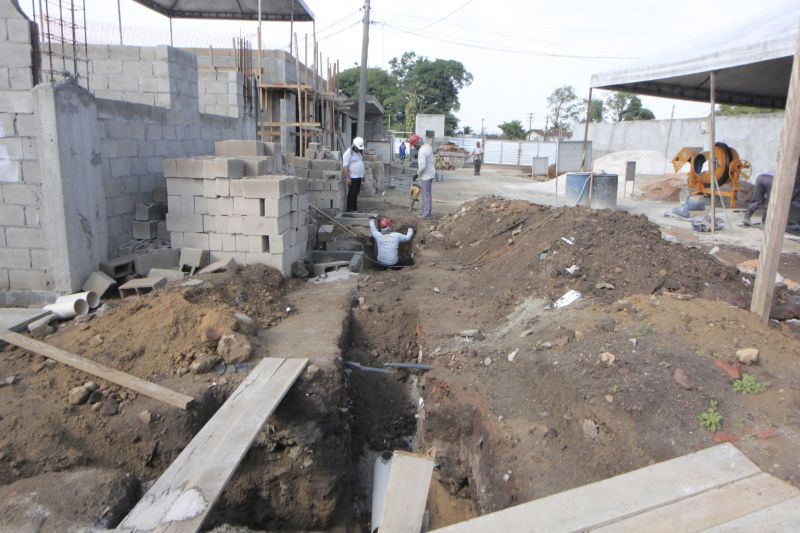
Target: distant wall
{"x":755,"y":137}
{"x":434,"y":123}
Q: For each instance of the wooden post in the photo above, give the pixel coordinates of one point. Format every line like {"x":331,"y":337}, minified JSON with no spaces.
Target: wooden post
{"x":299,"y":92}
{"x":712,"y":160}
{"x":780,"y":197}
{"x":586,"y":131}
{"x":666,"y":146}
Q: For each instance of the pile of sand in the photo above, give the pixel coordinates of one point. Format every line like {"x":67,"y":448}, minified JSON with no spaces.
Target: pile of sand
{"x":647,"y":162}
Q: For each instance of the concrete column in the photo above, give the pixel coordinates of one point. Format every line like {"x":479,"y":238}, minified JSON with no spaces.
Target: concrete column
{"x":73,"y":206}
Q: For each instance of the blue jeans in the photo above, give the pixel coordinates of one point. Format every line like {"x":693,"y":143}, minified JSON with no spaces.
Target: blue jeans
{"x":426,"y":186}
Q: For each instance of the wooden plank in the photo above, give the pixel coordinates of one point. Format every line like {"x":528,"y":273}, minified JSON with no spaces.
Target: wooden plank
{"x":780,"y":197}
{"x":117,"y":377}
{"x":187,"y":491}
{"x":784,"y":516}
{"x":613,"y":499}
{"x":406,"y":493}
{"x":711,"y":508}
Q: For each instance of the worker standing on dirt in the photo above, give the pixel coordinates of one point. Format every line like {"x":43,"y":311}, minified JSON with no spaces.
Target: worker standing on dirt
{"x":354,"y":172}
{"x":477,"y":158}
{"x":402,"y":152}
{"x":760,"y":198}
{"x":426,"y":171}
{"x":388,"y":242}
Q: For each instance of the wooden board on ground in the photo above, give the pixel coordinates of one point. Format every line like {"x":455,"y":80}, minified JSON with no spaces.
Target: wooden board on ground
{"x":784,"y":516}
{"x":613,"y":500}
{"x":117,"y":377}
{"x":406,"y":493}
{"x":187,"y":491}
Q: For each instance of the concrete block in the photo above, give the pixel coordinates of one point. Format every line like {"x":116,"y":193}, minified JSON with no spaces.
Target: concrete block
{"x":196,"y":240}
{"x":249,"y":206}
{"x":304,"y":173}
{"x":27,"y":279}
{"x":223,"y":167}
{"x":265,"y":225}
{"x":145,"y":230}
{"x":223,"y":186}
{"x":15,"y":257}
{"x":12,"y":215}
{"x":187,"y":205}
{"x":263,"y":187}
{"x":256,"y":166}
{"x":301,"y":186}
{"x":326,"y":165}
{"x":187,"y":186}
{"x":193,"y":257}
{"x":176,"y":239}
{"x":214,"y":241}
{"x":224,"y":206}
{"x":138,"y":287}
{"x":315,"y":173}
{"x":209,"y":224}
{"x":170,"y":168}
{"x":210,"y":188}
{"x":277,"y":207}
{"x":26,"y":238}
{"x":165,"y":258}
{"x":159,"y":194}
{"x":200,"y":205}
{"x":161,"y":231}
{"x":239,"y":257}
{"x":118,"y":267}
{"x":316,"y":185}
{"x":228,"y":242}
{"x":242,"y":243}
{"x":272,"y":148}
{"x":279,"y":262}
{"x":301,"y":162}
{"x":239,"y":148}
{"x":149,"y":212}
{"x":184,"y":223}
{"x":223,"y":265}
{"x":190,"y":168}
{"x":20,"y":193}
{"x":169,"y":274}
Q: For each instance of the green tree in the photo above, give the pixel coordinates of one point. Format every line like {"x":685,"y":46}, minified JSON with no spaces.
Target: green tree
{"x":467,"y":130}
{"x":564,"y":106}
{"x":625,"y":106}
{"x":512,"y":130}
{"x":731,"y":110}
{"x":381,"y":85}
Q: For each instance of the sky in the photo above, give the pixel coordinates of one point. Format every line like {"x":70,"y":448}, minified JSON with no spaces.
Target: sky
{"x":518,"y":51}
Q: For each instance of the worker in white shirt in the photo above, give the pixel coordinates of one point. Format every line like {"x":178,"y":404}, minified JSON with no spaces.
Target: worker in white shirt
{"x":426,"y":171}
{"x":354,"y":172}
{"x":388,"y":242}
{"x":477,"y":158}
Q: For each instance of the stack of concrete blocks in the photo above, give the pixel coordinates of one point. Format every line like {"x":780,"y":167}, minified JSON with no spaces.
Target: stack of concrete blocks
{"x":326,"y":187}
{"x":374,"y":182}
{"x":220,"y":92}
{"x":236,"y":206}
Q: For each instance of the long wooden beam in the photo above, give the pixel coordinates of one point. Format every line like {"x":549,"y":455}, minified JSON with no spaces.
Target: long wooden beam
{"x":118,"y":377}
{"x":780,"y":198}
{"x":182,"y":497}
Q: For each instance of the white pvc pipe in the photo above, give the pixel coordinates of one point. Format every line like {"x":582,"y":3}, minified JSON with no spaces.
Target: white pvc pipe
{"x":70,"y":309}
{"x":90,"y":296}
{"x":380,"y":483}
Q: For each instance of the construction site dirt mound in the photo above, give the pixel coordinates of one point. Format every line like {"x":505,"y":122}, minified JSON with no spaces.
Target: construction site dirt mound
{"x":513,"y":249}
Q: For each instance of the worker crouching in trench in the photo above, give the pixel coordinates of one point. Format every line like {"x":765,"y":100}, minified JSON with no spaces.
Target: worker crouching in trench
{"x":388,"y":243}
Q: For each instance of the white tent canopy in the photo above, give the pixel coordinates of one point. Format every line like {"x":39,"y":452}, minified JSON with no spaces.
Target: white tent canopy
{"x":272,"y":10}
{"x":753,"y":61}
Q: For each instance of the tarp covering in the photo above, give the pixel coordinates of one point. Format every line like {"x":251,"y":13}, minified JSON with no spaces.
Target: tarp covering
{"x":272,"y":10}
{"x":753,"y":61}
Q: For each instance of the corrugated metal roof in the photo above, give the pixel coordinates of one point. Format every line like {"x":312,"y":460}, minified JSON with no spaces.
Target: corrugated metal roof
{"x":753,"y":61}
{"x":272,"y":10}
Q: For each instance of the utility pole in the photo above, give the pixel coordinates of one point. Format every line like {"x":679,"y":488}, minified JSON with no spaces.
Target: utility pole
{"x":530,"y":124}
{"x":483,"y":132}
{"x":119,"y":18}
{"x":362,"y":86}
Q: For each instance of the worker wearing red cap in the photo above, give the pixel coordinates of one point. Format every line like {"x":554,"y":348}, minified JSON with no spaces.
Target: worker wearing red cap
{"x":426,"y":171}
{"x":388,"y":242}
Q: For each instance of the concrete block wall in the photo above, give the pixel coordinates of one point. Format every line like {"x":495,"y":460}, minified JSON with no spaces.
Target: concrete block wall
{"x":213,"y":204}
{"x":220,"y":92}
{"x":24,"y":260}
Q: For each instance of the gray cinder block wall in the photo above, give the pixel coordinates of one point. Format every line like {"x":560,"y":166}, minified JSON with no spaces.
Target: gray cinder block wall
{"x":24,"y":257}
{"x":103,"y":153}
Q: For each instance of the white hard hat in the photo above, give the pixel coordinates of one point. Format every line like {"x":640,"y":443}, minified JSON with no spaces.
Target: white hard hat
{"x":358,"y":142}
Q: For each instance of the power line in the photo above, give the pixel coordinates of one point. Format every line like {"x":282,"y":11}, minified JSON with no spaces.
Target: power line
{"x":509,"y":50}
{"x":437,"y":21}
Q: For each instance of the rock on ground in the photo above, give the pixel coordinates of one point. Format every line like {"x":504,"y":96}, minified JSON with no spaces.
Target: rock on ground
{"x":62,"y":501}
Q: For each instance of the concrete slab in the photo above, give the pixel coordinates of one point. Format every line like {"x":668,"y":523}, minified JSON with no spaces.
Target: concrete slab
{"x":138,"y":287}
{"x":17,"y":319}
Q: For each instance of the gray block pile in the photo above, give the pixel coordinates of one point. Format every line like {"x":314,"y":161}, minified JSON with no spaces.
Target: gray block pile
{"x":374,"y":181}
{"x":323,"y":168}
{"x":235,"y":205}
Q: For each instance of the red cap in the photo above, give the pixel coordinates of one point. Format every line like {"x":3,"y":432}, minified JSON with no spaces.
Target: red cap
{"x":414,"y":140}
{"x":385,"y":223}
